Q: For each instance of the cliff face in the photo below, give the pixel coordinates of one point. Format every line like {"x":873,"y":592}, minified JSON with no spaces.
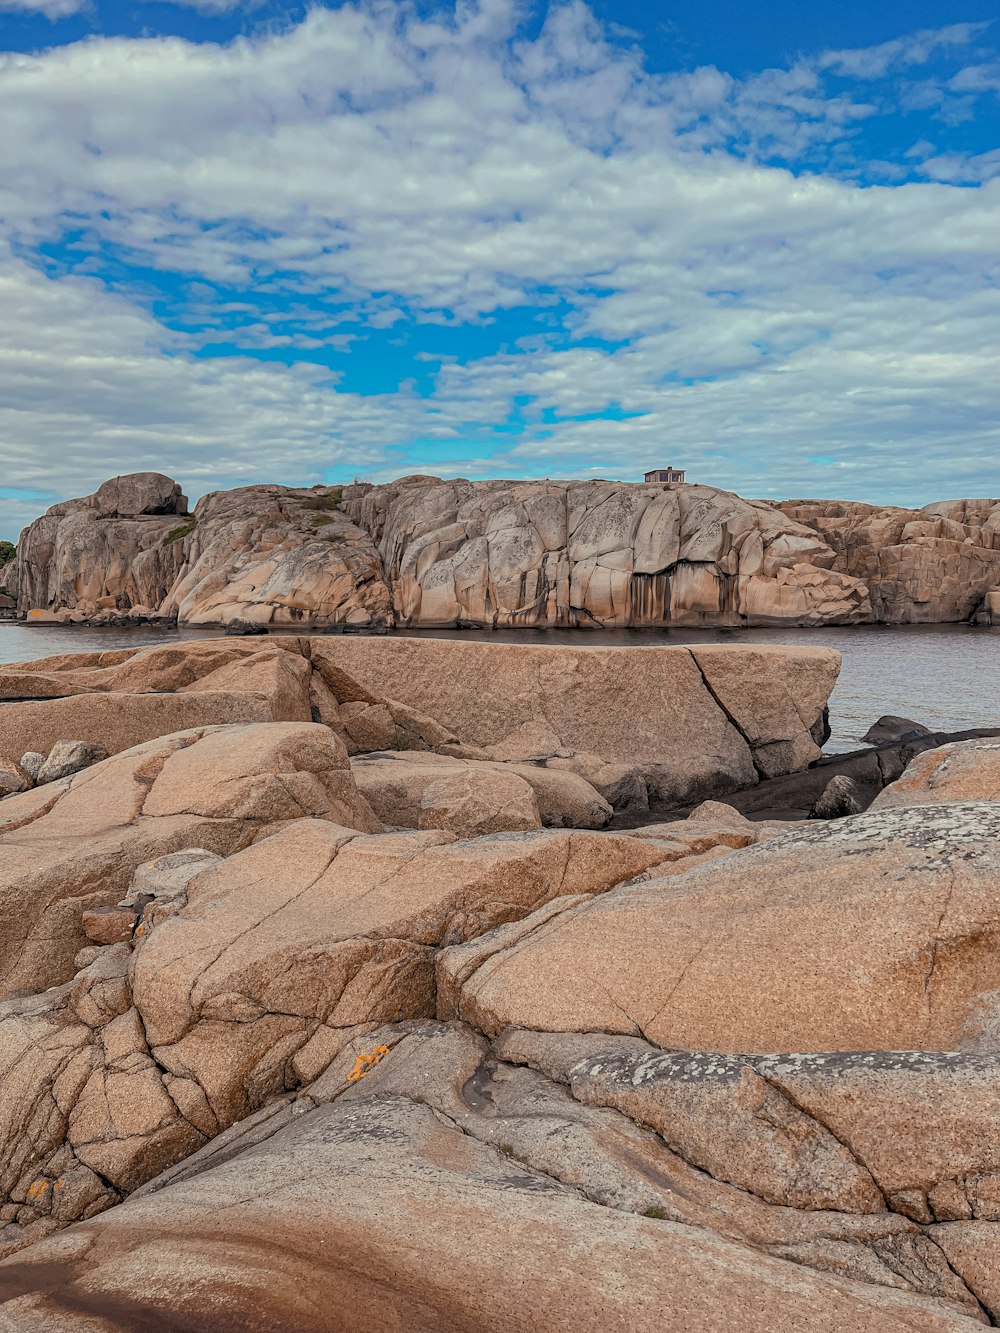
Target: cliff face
{"x":426,"y":552}
{"x":111,"y":547}
{"x":598,"y":553}
{"x":272,"y":555}
{"x":265,"y":554}
{"x":921,"y":566}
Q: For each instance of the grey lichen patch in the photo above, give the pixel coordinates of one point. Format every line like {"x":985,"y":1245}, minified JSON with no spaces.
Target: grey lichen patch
{"x":839,"y":1064}
{"x":935,"y":827}
{"x":659,"y":1066}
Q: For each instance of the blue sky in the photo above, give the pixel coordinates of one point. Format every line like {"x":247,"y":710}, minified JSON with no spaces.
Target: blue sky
{"x":246,"y":242}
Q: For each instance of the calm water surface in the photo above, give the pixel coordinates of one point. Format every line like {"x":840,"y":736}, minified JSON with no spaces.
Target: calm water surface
{"x":946,"y":676}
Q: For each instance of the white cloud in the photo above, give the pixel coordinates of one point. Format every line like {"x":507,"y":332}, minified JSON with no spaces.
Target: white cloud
{"x":445,"y":170}
{"x":873,"y":62}
{"x":50,"y":9}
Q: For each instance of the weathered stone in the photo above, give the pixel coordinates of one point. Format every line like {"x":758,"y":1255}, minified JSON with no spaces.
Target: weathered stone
{"x":652,"y":709}
{"x":841,"y":796}
{"x":469,"y":1216}
{"x":890,"y":730}
{"x":877,"y":932}
{"x":69,"y":757}
{"x":597,"y":553}
{"x":245,"y":969}
{"x":397,"y":786}
{"x":268,"y":555}
{"x":973,"y":1250}
{"x":108,"y":925}
{"x":12,"y":780}
{"x":71,"y":846}
{"x":919,"y":565}
{"x":31,"y":763}
{"x":471,"y":805}
{"x":963,"y":771}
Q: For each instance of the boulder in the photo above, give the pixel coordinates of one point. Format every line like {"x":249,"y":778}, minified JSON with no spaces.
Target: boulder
{"x":971,"y":1249}
{"x":488,"y":803}
{"x":876,"y":932}
{"x":963,"y":771}
{"x":31,"y":762}
{"x":245,"y":628}
{"x":403,"y":789}
{"x":115,"y":722}
{"x":890,"y":730}
{"x":69,"y":757}
{"x":138,"y":493}
{"x":13,"y":779}
{"x":841,"y":796}
{"x":677,"y":716}
{"x":117,"y":700}
{"x":71,"y":846}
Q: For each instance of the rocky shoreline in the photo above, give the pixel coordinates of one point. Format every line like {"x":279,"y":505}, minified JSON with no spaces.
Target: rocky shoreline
{"x":336,"y":992}
{"x":424,"y":552}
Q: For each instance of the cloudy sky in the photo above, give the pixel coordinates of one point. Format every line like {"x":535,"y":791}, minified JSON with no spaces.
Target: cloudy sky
{"x":245,"y":240}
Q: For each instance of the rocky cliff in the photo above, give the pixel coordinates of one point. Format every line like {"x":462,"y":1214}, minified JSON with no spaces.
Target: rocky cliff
{"x":920,"y":566}
{"x":426,"y":552}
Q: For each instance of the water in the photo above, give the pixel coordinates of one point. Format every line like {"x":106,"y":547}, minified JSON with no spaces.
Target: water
{"x":946,"y":676}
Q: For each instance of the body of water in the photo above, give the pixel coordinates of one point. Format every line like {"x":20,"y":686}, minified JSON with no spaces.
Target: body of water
{"x":946,"y":676}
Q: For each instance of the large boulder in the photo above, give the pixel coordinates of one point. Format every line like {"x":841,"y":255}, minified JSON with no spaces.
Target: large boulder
{"x":406,"y":790}
{"x":691,"y":722}
{"x":138,"y":493}
{"x":963,"y":771}
{"x":152,"y":693}
{"x":876,"y":932}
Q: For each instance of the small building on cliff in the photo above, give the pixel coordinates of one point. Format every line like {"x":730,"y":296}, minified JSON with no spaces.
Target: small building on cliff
{"x":674,"y":474}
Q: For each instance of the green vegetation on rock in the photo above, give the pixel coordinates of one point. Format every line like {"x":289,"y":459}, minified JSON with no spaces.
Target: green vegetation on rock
{"x":184,"y":530}
{"x":329,"y":500}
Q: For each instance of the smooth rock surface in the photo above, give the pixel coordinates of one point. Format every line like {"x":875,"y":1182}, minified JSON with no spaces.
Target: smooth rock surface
{"x":877,"y":932}
{"x":655,"y":710}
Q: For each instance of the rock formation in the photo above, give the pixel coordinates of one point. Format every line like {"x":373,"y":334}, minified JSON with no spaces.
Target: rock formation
{"x":274,"y":556}
{"x":598,"y":553}
{"x":920,"y":566}
{"x":427,"y":552}
{"x":274,"y":1059}
{"x":587,"y":728}
{"x":115,"y":548}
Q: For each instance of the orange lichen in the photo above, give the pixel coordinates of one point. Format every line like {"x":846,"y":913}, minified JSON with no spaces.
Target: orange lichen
{"x":366,"y":1063}
{"x":38,"y":1188}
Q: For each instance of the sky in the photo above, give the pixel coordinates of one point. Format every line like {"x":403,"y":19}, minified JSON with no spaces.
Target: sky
{"x":246,"y":240}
